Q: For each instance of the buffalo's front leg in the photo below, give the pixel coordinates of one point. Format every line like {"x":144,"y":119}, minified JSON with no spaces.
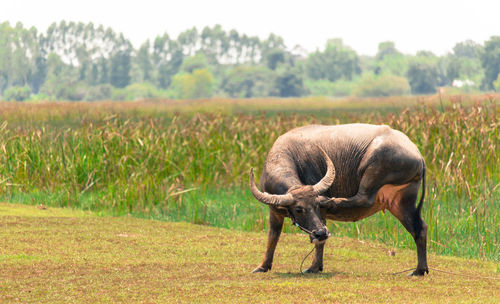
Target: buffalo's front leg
{"x":275,"y":227}
{"x":317,"y":264}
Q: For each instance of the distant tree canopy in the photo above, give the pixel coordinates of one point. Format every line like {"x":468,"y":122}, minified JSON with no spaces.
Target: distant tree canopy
{"x":386,"y":48}
{"x":288,"y":84}
{"x":198,"y":84}
{"x":21,"y":57}
{"x":468,"y":48}
{"x":78,"y":61}
{"x":490,"y":60}
{"x":336,"y":62}
{"x":423,"y":77}
{"x":249,"y":81}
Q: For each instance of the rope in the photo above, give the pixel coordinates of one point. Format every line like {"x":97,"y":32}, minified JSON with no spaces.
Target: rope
{"x":305,"y":259}
{"x":302,"y":228}
{"x":452,"y":273}
{"x":294,"y":222}
{"x":402,"y":271}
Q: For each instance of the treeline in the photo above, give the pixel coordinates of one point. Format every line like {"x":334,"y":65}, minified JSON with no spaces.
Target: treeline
{"x":77,"y":61}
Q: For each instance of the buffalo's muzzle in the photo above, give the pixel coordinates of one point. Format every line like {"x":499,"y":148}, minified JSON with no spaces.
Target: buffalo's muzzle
{"x":320,"y":235}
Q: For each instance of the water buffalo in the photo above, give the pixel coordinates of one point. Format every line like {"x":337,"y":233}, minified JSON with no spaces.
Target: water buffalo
{"x":343,"y":173}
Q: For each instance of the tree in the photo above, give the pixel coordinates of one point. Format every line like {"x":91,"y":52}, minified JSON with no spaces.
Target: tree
{"x":39,"y":73}
{"x":389,"y":60}
{"x":249,"y":81}
{"x":496,"y":84}
{"x":423,"y":77}
{"x":167,"y":58}
{"x":248,"y":49}
{"x":20,"y":57}
{"x":214,"y":44}
{"x":82,"y":46}
{"x":17,"y":93}
{"x":199,"y":84}
{"x":204,"y":82}
{"x":386,"y":48}
{"x":274,"y":58}
{"x":143,"y":61}
{"x":189,"y":41}
{"x":196,"y":62}
{"x":168,"y":69}
{"x":120,"y":69}
{"x":468,"y":48}
{"x":337,"y":61}
{"x":453,"y":69}
{"x":394,"y":64}
{"x":221,"y":47}
{"x":104,"y":74}
{"x":62,"y":80}
{"x":289,"y":84}
{"x":433,"y":65}
{"x":490,"y":60}
{"x":93,"y":78}
{"x":464,"y":68}
{"x":272,"y":51}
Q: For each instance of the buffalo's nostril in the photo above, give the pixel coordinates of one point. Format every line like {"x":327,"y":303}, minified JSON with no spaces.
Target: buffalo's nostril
{"x":320,"y":234}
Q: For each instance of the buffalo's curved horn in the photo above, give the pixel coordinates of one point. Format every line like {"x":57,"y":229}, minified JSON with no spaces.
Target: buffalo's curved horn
{"x":325,"y":183}
{"x":269,"y":199}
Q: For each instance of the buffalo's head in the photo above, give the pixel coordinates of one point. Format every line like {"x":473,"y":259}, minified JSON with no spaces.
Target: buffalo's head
{"x":303,"y":203}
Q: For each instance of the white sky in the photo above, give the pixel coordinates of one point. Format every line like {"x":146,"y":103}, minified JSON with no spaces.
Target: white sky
{"x":413,"y":25}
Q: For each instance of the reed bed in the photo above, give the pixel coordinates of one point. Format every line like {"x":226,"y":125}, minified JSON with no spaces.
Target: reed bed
{"x":190,"y":161}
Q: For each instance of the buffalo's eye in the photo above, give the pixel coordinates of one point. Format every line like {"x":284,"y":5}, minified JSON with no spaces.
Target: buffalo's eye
{"x":299,"y":210}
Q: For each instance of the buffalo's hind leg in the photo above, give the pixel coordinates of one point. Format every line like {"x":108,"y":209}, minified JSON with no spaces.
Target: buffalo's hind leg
{"x":275,"y":227}
{"x":404,"y":209}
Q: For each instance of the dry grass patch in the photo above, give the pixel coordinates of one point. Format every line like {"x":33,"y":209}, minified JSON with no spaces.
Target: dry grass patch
{"x":57,"y":255}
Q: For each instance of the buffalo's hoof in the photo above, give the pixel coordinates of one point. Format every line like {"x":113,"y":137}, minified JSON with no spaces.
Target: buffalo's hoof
{"x":419,"y":272}
{"x":260,"y":269}
{"x":313,"y":270}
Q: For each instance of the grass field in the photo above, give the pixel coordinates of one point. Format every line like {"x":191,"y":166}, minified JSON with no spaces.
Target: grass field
{"x":65,"y":256}
{"x":189,"y":161}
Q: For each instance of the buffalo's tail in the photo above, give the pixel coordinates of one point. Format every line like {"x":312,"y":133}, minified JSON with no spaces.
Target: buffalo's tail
{"x":421,"y":202}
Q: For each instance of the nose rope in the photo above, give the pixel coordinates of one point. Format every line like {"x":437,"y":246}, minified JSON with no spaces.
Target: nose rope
{"x":297,"y":224}
{"x":300,"y":269}
{"x":306,"y":231}
{"x":302,"y":228}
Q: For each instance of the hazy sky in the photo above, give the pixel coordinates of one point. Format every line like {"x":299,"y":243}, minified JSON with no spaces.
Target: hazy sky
{"x":413,"y":25}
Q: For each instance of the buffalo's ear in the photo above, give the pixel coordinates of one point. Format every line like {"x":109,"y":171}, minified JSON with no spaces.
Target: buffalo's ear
{"x":325,"y":202}
{"x":281,"y":210}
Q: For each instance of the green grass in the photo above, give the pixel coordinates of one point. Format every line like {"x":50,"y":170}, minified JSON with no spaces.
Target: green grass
{"x":189,"y":160}
{"x":59,"y":255}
